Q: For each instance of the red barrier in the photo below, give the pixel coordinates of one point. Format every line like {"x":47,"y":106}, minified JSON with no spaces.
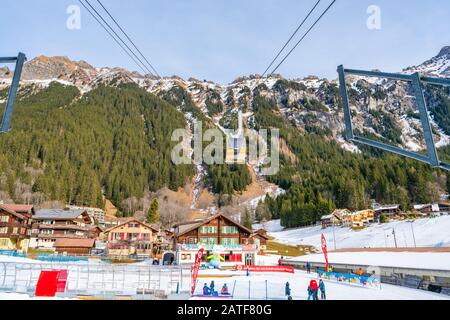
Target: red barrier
{"x":51,"y":282}
{"x":284,"y":269}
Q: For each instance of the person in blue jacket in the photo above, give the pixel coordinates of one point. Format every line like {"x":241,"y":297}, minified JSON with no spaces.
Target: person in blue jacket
{"x":211,"y":287}
{"x":206,"y":291}
{"x":287,"y":289}
{"x":308,"y":267}
{"x":323,"y":295}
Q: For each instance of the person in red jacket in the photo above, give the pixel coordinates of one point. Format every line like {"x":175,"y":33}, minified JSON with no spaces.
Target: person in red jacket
{"x":280,"y":261}
{"x":314,"y":288}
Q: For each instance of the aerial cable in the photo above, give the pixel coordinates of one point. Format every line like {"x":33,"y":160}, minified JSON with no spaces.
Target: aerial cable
{"x":304,"y":36}
{"x":292,"y":36}
{"x":140,"y":64}
{"x":129,"y":39}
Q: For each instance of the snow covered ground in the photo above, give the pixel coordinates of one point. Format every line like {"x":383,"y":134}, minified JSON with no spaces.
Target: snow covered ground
{"x":254,"y":287}
{"x":429,"y":232}
{"x":422,"y":260}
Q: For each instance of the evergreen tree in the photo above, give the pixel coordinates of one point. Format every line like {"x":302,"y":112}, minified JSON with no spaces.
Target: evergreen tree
{"x":153,"y":212}
{"x":247,"y":219}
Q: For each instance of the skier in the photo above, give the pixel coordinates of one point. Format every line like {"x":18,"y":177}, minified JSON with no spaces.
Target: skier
{"x":308,"y":267}
{"x":360,"y":272}
{"x":310,"y":293}
{"x":314,"y":289}
{"x":287,"y":289}
{"x":323,"y":295}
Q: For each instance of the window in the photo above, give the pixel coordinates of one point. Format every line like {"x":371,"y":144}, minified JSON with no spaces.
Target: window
{"x":230,"y":241}
{"x":230,"y":230}
{"x":208,"y":240}
{"x":4,"y":219}
{"x":46,"y":231}
{"x":208,"y":230}
{"x":133,"y":225}
{"x":48,"y":222}
{"x":4,"y":230}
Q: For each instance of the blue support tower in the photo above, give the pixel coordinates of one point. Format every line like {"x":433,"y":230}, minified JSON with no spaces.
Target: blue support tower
{"x":416,"y":81}
{"x":12,"y":93}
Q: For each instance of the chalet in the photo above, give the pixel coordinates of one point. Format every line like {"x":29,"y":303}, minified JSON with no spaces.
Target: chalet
{"x":436,"y":209}
{"x":220,"y":235}
{"x":358,"y":219}
{"x":389,"y":211}
{"x":50,"y":225}
{"x":15,"y":226}
{"x":334,"y":219}
{"x":130,"y":238}
{"x":74,"y":246}
{"x":97,"y":214}
{"x":260,"y":238}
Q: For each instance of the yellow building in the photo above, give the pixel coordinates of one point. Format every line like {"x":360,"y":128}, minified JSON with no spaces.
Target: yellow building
{"x":358,"y":219}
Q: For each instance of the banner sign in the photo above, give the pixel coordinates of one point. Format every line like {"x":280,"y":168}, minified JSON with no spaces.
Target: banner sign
{"x":325,"y":251}
{"x":365,"y":281}
{"x":216,"y":247}
{"x":198,"y":260}
{"x":284,"y":269}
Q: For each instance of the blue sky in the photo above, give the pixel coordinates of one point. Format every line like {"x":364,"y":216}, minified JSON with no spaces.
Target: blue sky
{"x":220,"y":40}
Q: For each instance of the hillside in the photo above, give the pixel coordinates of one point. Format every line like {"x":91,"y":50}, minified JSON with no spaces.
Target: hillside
{"x":428,"y":233}
{"x":81,"y":133}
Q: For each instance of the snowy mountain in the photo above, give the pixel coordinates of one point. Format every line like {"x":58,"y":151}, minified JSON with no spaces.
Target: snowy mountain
{"x":381,"y":108}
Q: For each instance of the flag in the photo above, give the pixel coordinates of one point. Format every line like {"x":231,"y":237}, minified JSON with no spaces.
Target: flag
{"x":324,"y":250}
{"x":198,"y":260}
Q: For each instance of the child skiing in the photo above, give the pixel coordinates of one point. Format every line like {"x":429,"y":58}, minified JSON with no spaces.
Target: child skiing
{"x":287,"y":289}
{"x":322,"y":290}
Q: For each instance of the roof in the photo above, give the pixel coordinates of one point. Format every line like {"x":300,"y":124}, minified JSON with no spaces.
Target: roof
{"x":9,"y":209}
{"x":260,"y":233}
{"x":74,"y":243}
{"x":19,"y":208}
{"x":128,"y":221}
{"x":387,"y":207}
{"x":185,"y":228}
{"x":62,"y":214}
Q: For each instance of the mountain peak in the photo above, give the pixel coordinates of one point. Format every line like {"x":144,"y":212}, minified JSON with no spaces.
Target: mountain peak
{"x":445,"y":52}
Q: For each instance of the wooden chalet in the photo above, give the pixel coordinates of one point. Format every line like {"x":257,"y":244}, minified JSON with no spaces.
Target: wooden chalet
{"x":217,"y":234}
{"x":15,"y":226}
{"x":52,"y":224}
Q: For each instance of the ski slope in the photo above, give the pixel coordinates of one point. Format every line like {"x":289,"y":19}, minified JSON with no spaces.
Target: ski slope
{"x":428,"y":232}
{"x":254,"y":287}
{"x":421,"y":260}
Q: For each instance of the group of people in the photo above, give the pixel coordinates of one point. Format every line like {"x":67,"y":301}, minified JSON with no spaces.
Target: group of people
{"x":210,"y":290}
{"x":314,"y":288}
